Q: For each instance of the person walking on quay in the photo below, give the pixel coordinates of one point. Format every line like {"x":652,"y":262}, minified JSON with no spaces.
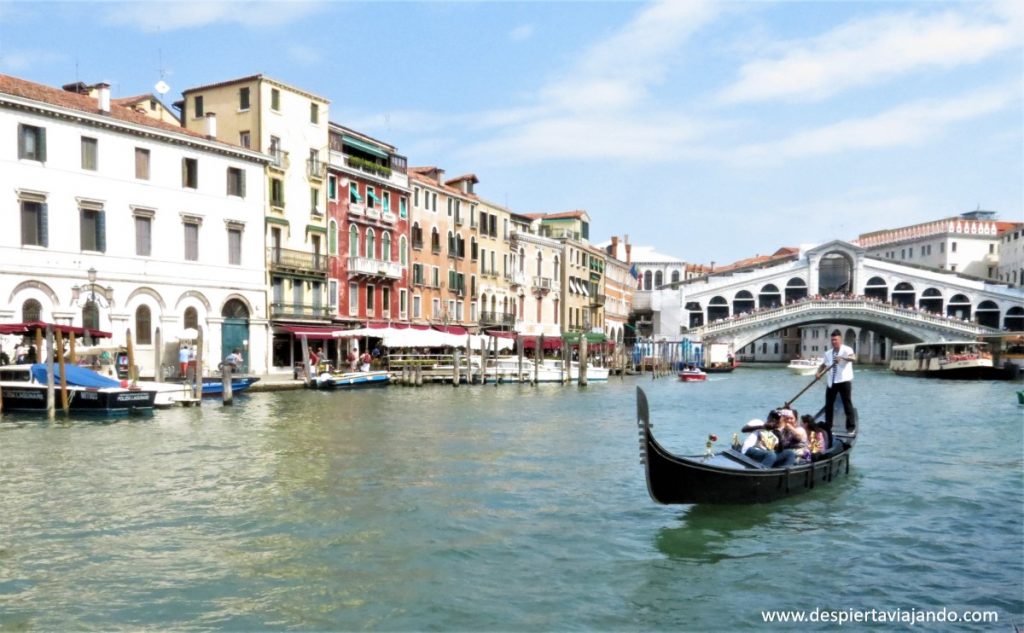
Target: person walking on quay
{"x":183,"y":354}
{"x":837,"y":364}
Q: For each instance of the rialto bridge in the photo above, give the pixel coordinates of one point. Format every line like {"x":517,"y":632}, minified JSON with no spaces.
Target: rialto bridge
{"x":835,"y":283}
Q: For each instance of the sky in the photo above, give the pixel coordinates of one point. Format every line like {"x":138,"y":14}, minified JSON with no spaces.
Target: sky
{"x":709,"y":131}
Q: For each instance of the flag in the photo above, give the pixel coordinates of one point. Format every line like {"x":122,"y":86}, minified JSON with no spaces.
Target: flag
{"x":634,"y":272}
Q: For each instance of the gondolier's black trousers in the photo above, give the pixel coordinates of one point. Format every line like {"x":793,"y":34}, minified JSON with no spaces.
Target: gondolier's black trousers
{"x":843,"y":390}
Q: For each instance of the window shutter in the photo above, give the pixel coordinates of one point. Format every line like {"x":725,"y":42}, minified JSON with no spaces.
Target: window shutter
{"x":44,"y":225}
{"x":41,"y":150}
{"x":101,"y":231}
{"x":21,"y":141}
{"x":241,"y":182}
{"x":184,"y":172}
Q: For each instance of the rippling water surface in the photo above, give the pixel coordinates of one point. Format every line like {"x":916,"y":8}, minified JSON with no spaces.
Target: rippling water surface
{"x":509,"y":507}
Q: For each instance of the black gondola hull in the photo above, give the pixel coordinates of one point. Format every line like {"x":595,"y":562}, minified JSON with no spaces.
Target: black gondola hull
{"x":29,"y":398}
{"x":673,"y":479}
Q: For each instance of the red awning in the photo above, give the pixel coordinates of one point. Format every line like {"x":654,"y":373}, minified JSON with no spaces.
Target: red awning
{"x":550,"y":342}
{"x":501,"y":334}
{"x":29,"y":329}
{"x":457,"y":330}
{"x":309,"y":331}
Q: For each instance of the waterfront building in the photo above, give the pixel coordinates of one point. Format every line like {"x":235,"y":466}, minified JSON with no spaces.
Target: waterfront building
{"x":490,"y":243}
{"x":581,"y":280}
{"x":534,"y":274}
{"x":656,"y":310}
{"x":367,"y":230}
{"x":1011,"y":255}
{"x":620,"y":284}
{"x":289,"y":125}
{"x":124,"y":221}
{"x":439,"y":229}
{"x":967,"y":244}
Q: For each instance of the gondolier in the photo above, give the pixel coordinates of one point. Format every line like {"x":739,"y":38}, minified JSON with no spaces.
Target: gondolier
{"x":837,"y":364}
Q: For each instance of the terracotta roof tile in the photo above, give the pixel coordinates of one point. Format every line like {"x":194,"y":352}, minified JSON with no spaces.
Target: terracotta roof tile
{"x":73,"y":101}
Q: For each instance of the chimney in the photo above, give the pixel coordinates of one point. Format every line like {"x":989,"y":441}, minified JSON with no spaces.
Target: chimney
{"x":104,"y":97}
{"x":629,"y":253}
{"x":211,"y":125}
{"x":615,"y":247}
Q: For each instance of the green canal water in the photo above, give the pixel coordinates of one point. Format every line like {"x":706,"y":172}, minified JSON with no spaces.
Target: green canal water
{"x":501,"y":508}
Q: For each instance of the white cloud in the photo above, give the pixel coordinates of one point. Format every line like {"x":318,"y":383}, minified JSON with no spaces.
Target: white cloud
{"x":194,"y":14}
{"x":22,"y":60}
{"x":872,"y":50}
{"x":903,"y":125}
{"x":521,"y":33}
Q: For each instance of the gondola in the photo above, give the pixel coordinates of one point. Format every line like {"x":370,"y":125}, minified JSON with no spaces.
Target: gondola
{"x":729,"y":476}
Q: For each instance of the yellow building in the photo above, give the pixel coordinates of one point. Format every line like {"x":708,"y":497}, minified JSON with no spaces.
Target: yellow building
{"x":289,"y":125}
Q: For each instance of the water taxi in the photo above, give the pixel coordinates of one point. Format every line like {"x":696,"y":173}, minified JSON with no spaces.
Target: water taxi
{"x":804,"y":366}
{"x":24,"y":389}
{"x":946,"y":359}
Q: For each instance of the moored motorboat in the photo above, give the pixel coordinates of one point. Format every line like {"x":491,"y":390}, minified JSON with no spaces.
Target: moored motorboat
{"x":24,"y":388}
{"x":352,"y":379}
{"x":730,"y":476}
{"x":804,"y":366}
{"x":214,"y":386}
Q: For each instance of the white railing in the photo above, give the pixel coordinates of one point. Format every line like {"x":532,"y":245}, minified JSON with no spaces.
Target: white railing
{"x":838,"y":307}
{"x":389,"y":217}
{"x":375,"y":267}
{"x":373,"y":213}
{"x":356,"y":209}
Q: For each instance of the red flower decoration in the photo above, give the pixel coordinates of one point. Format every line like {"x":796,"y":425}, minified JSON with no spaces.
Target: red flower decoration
{"x":713,"y":437}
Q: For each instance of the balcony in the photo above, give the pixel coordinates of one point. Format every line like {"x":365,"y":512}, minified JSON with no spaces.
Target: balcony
{"x":374,"y":268}
{"x":356,"y":209}
{"x":373,"y":213}
{"x":281,"y":310}
{"x":503,"y":319}
{"x":417,"y":245}
{"x":597,"y":300}
{"x":516,"y":278}
{"x":279,"y":159}
{"x":542,"y":283}
{"x":316,"y":169}
{"x":284,"y":259}
{"x":389,"y":217}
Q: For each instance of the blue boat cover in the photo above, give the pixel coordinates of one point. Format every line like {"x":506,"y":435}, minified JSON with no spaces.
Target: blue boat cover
{"x":76,"y":375}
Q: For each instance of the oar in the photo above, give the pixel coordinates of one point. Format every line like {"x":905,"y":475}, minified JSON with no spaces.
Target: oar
{"x":817,"y":377}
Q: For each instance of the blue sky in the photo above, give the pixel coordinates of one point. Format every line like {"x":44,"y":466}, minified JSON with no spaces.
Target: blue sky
{"x":711,"y":131}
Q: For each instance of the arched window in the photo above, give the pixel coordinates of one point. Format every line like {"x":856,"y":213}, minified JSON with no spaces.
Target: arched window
{"x":371,"y":244}
{"x":143,"y":326}
{"x":658,"y":279}
{"x":353,"y":241}
{"x":931,"y":300}
{"x":675,"y":276}
{"x":191,"y":318}
{"x":332,"y":237}
{"x":385,"y":246}
{"x":417,"y":235}
{"x":31,"y":310}
{"x":403,"y":253}
{"x":769,"y":297}
{"x":452,"y":248}
{"x":904,"y":295}
{"x":718,"y":308}
{"x":558,"y":273}
{"x":987,"y":313}
{"x":235,"y":309}
{"x":744,"y":302}
{"x":835,"y":274}
{"x":540,"y":264}
{"x":959,"y":306}
{"x":796,"y":289}
{"x":877,"y":288}
{"x":435,"y":241}
{"x":648,"y":276}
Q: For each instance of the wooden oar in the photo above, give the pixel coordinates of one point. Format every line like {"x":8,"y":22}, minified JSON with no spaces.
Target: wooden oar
{"x":817,"y":377}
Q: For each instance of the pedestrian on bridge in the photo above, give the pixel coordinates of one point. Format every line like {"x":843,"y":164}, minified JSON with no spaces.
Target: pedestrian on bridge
{"x":837,"y":364}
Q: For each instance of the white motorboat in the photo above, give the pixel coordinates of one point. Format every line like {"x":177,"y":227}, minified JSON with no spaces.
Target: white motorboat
{"x":804,"y":366}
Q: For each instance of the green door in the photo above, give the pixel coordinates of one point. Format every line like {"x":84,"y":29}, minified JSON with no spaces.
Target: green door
{"x":234,"y":334}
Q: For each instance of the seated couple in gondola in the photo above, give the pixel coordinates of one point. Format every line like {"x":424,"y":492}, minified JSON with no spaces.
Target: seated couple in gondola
{"x":779,"y":442}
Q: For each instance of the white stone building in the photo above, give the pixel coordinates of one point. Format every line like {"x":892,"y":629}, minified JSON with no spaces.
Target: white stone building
{"x":1011,"y":256}
{"x":160,"y":216}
